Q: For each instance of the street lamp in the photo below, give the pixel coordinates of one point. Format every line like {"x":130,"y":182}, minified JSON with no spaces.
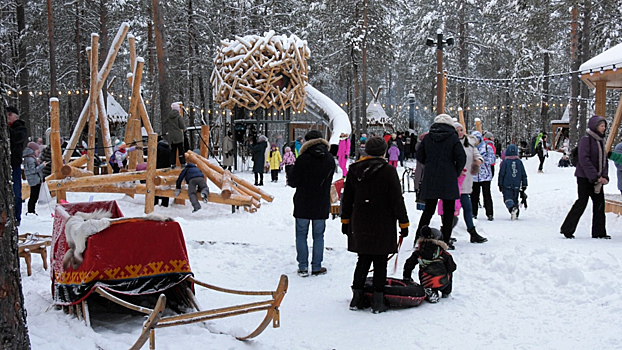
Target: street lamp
{"x":440,"y":86}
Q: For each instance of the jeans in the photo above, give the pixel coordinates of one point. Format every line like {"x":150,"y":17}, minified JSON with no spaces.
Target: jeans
{"x":302,"y":250}
{"x":586,"y":191}
{"x":17,"y":191}
{"x":467,"y":210}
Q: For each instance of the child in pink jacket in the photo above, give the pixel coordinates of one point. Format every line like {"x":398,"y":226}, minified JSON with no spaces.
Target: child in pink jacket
{"x":394,"y":155}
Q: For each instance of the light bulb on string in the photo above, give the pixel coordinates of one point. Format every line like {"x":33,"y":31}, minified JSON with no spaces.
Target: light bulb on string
{"x":615,"y":68}
{"x":602,"y":70}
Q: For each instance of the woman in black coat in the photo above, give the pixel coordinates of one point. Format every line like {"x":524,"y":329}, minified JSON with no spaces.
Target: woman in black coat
{"x":371,"y":205}
{"x":259,"y":158}
{"x":443,"y":156}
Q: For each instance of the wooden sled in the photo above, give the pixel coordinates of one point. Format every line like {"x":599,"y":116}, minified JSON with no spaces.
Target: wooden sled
{"x":156,"y":320}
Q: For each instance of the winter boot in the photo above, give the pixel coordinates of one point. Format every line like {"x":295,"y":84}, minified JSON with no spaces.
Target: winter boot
{"x":514,"y":213}
{"x":358,"y":300}
{"x":378,"y":305}
{"x":431,"y":295}
{"x":475,"y":237}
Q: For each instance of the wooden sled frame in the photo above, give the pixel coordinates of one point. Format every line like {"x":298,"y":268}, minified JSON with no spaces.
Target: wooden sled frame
{"x":156,"y":320}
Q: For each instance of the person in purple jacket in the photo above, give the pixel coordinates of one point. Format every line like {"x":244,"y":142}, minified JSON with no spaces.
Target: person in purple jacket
{"x":394,"y":154}
{"x":591,"y":174}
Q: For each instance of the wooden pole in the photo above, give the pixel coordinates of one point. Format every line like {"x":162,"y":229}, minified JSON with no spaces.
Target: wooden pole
{"x":227,"y":185}
{"x":93,"y":101}
{"x":98,"y":180}
{"x":613,"y":131}
{"x":461,"y":116}
{"x":57,"y":157}
{"x":105,"y":130}
{"x":600,"y":108}
{"x":164,"y":180}
{"x":478,"y":125}
{"x":152,"y":153}
{"x":130,"y":137}
{"x":205,"y":136}
{"x":69,"y":171}
{"x":132,"y":43}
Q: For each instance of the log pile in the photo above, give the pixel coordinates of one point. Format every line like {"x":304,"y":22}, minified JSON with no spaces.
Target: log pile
{"x":261,"y":72}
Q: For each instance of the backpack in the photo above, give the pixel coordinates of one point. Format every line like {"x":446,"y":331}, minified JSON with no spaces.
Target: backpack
{"x":113,"y":158}
{"x":574,"y":156}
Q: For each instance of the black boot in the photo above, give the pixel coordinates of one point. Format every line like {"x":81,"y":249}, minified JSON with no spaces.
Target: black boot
{"x":475,"y":237}
{"x":378,"y":305}
{"x":358,"y":300}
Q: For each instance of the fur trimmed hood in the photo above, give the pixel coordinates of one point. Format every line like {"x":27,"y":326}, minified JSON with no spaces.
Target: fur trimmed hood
{"x":437,"y":242}
{"x":311,"y":143}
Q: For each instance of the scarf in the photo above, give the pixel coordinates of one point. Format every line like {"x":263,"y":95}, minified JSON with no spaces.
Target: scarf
{"x":599,"y":141}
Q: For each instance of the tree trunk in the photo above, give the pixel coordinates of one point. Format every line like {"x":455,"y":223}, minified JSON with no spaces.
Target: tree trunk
{"x":585,"y":55}
{"x":463,"y":59}
{"x":24,"y":103}
{"x":163,"y":80}
{"x":13,"y":330}
{"x":544,"y":108}
{"x":79,"y":78}
{"x":364,"y":72}
{"x":152,"y":64}
{"x":53,"y":90}
{"x":103,"y":41}
{"x":573,"y":131}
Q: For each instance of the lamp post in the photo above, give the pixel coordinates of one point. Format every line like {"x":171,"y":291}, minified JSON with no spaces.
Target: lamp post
{"x":440,"y":44}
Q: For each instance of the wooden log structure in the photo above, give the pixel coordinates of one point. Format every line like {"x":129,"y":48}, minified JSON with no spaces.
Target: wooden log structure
{"x":152,"y":152}
{"x":70,"y":171}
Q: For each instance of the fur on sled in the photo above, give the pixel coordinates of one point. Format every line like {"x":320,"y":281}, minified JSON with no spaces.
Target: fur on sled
{"x":81,"y":225}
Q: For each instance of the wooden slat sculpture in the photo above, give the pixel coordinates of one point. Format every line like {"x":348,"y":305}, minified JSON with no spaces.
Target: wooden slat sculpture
{"x":261,"y":72}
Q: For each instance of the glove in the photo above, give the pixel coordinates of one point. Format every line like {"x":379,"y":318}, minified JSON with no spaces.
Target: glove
{"x":177,"y":192}
{"x":609,"y":155}
{"x":345,"y":229}
{"x":500,"y":189}
{"x":524,"y":188}
{"x":404,"y":232}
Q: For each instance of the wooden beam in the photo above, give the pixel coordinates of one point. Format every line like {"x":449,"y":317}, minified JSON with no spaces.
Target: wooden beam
{"x":69,"y":171}
{"x":461,"y":116}
{"x":204,"y":150}
{"x":152,"y":153}
{"x":600,"y":107}
{"x":92,"y":120}
{"x":613,"y":131}
{"x":97,"y":180}
{"x":57,"y":157}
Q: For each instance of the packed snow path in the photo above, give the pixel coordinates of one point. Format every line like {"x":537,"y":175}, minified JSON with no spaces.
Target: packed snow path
{"x":526,"y":288}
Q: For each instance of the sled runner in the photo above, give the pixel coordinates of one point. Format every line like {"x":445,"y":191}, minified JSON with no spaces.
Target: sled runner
{"x":397,"y":293}
{"x":137,"y":261}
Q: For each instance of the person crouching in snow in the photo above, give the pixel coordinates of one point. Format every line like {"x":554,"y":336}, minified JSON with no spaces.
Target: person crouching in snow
{"x":275,"y":160}
{"x":512,"y":179}
{"x":372,"y":204}
{"x":436,"y":265}
{"x":117,"y":161}
{"x":195,"y":180}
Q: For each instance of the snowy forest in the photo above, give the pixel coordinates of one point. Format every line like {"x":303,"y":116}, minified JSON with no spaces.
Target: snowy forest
{"x":513,"y":65}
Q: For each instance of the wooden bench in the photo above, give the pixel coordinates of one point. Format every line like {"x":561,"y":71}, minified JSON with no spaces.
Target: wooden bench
{"x":29,"y":244}
{"x":335,"y":209}
{"x":613,"y":203}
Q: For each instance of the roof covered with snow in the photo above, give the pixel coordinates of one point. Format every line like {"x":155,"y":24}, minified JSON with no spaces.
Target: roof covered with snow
{"x":604,"y":67}
{"x":116,"y":113}
{"x":376,"y":114}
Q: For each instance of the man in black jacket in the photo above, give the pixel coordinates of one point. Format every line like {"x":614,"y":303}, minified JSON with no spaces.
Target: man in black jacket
{"x":312,"y":177}
{"x":18,"y":136}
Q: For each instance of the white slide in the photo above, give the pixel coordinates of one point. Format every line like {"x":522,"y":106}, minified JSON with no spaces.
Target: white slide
{"x":338,"y":119}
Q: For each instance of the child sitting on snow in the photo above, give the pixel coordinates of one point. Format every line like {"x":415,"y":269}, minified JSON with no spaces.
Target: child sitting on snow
{"x":512,"y":180}
{"x":289,"y":159}
{"x":117,"y":161}
{"x":195,"y":180}
{"x":436,"y":265}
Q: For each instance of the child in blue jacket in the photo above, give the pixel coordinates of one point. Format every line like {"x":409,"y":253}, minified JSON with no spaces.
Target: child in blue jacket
{"x":512,"y":179}
{"x":195,"y":180}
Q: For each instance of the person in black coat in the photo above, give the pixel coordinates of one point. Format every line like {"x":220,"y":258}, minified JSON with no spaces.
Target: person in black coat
{"x":259,"y":158}
{"x":18,"y":137}
{"x":372,"y":204}
{"x":163,"y":161}
{"x":312,"y":176}
{"x":443,"y":156}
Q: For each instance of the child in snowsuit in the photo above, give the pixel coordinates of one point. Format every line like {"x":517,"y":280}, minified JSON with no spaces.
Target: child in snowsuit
{"x":394,"y":155}
{"x":289,"y":159}
{"x":274,"y":159}
{"x":195,"y":180}
{"x":436,"y":265}
{"x":117,"y":161}
{"x":512,"y":179}
{"x":33,"y":170}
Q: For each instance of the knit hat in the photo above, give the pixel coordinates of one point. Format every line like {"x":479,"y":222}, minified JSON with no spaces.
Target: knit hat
{"x":33,"y":146}
{"x":488,"y":135}
{"x":288,"y":149}
{"x":376,"y":146}
{"x":458,"y":125}
{"x":176,"y":106}
{"x":119,"y":144}
{"x":444,"y":119}
{"x":262,"y":138}
{"x":428,"y":232}
{"x":273,"y":145}
{"x":478,"y":135}
{"x":313,"y":134}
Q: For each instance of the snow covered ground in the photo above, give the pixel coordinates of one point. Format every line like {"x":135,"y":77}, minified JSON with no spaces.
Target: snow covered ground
{"x":527,"y":288}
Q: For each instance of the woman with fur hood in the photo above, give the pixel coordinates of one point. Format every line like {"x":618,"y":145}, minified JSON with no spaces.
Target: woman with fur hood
{"x":436,"y":265}
{"x":591,"y":173}
{"x":372,"y":204}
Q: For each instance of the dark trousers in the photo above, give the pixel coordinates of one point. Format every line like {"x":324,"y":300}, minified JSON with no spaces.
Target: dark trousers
{"x":16,"y":174}
{"x":510,"y":197}
{"x":484,"y":186}
{"x":260,"y":176}
{"x":275,"y":174}
{"x":175,"y":147}
{"x":288,"y":169}
{"x":541,"y":163}
{"x":164,"y":201}
{"x":34,"y":197}
{"x":362,"y":269}
{"x":447,"y":218}
{"x":586,"y":190}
